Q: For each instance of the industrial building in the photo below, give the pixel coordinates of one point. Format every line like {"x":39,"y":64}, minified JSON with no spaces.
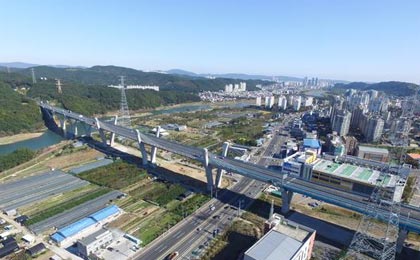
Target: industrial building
{"x":285,"y":240}
{"x":94,"y":242}
{"x":85,"y":226}
{"x":373,"y":153}
{"x":350,"y":177}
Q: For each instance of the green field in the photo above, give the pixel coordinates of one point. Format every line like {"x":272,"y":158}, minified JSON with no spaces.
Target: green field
{"x":161,"y":193}
{"x":115,"y":176}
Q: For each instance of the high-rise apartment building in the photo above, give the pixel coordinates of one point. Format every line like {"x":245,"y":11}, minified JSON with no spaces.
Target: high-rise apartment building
{"x":341,"y":122}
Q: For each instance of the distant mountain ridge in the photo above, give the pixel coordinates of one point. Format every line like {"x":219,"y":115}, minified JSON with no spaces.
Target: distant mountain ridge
{"x":24,"y":65}
{"x":180,"y":72}
{"x":242,"y":76}
{"x":396,"y":88}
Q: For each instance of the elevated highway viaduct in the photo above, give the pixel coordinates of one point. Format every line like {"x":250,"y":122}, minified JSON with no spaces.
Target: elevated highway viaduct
{"x":409,"y":216}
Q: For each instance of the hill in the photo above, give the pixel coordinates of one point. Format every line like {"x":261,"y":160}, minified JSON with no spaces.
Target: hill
{"x":95,"y":99}
{"x":395,"y":88}
{"x":107,"y":75}
{"x":17,"y":112}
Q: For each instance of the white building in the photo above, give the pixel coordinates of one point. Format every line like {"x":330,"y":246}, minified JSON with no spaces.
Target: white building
{"x":142,"y":87}
{"x":282,"y":103}
{"x":241,"y":87}
{"x":297,"y":103}
{"x":269,"y":102}
{"x":229,"y":88}
{"x":285,"y":240}
{"x":94,"y":242}
{"x":308,"y":101}
{"x":258,"y":101}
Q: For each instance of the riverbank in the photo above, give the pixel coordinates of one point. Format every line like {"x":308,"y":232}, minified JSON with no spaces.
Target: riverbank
{"x":19,"y":137}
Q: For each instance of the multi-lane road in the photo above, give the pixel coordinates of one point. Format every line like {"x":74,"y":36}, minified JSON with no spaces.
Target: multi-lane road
{"x":192,"y":236}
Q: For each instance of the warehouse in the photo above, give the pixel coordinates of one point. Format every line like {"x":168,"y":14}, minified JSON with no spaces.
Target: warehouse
{"x":69,"y":234}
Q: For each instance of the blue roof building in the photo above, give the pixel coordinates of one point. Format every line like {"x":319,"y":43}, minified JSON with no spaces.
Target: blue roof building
{"x":104,"y":213}
{"x":84,"y":223}
{"x":314,"y":144}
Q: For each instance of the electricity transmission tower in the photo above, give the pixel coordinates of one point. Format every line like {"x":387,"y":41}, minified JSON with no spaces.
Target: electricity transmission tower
{"x":33,"y":76}
{"x":374,"y":238}
{"x":124,"y":117}
{"x":58,"y":85}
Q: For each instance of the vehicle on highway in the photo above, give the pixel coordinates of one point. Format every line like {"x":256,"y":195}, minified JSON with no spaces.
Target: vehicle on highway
{"x":172,"y":255}
{"x":216,"y":217}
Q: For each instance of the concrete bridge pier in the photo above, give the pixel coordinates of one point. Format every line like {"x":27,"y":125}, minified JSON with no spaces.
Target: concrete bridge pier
{"x":142,"y":148}
{"x":208,"y":168}
{"x":402,"y":235}
{"x":63,"y":124}
{"x":75,"y":130}
{"x":101,"y":131}
{"x":154,"y":148}
{"x":88,"y":130}
{"x":220,"y":171}
{"x":286,"y":197}
{"x":112,"y":140}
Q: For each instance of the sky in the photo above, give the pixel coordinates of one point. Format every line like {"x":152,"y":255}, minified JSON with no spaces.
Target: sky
{"x":357,"y":40}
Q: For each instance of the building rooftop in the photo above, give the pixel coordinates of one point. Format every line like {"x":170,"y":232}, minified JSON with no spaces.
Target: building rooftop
{"x":281,"y":242}
{"x":414,"y":156}
{"x":92,"y":237}
{"x":78,"y":226}
{"x":104,"y":213}
{"x":36,"y":249}
{"x":353,"y":172}
{"x":274,"y":246}
{"x":312,"y":143}
{"x":370,"y":149}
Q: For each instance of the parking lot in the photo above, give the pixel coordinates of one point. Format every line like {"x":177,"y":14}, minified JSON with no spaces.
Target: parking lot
{"x":29,"y":190}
